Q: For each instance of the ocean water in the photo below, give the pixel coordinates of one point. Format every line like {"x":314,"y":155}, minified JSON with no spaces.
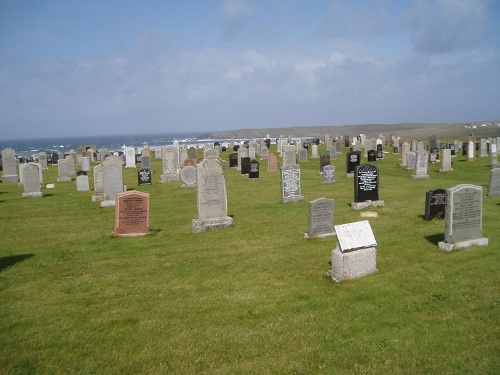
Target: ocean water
{"x":32,"y":146}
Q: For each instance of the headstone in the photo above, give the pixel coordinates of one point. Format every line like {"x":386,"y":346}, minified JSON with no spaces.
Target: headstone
{"x":471,"y":150}
{"x":366,"y":185}
{"x":432,"y":142}
{"x":211,"y":153}
{"x":32,"y":181}
{"x":290,"y":184}
{"x":42,"y":159}
{"x":112,"y":178}
{"x":355,"y":255}
{"x":446,"y":161}
{"x":463,"y":217}
{"x":144,"y":176}
{"x":288,"y":155}
{"x":353,"y":159}
{"x":170,"y":164}
{"x":421,"y":165}
{"x":320,"y":218}
{"x":494,"y":159}
{"x":63,"y":170}
{"x":264,"y":152}
{"x":324,"y":161}
{"x":192,"y":153}
{"x":346,"y":141}
{"x":405,"y":149}
{"x":314,"y":152}
{"x":411,"y":160}
{"x":131,"y":214}
{"x":82,"y":183}
{"x":245,"y":165}
{"x":302,"y":155}
{"x":484,"y":148}
{"x":494,"y":182}
{"x":272,"y":163}
{"x":435,"y":200}
{"x":98,"y":179}
{"x":372,"y":155}
{"x":9,"y":166}
{"x":212,"y":197}
{"x":85,"y":163}
{"x":380,"y":152}
{"x":71,"y":165}
{"x":233,"y":160}
{"x":328,"y":174}
{"x":434,"y":155}
{"x":188,"y":177}
{"x":253,"y":173}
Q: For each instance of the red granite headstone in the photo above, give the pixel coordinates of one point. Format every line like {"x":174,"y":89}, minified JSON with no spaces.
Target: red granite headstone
{"x":131,"y":214}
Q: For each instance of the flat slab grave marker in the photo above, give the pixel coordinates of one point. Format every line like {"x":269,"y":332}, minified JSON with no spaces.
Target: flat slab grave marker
{"x":355,"y":255}
{"x":463,"y":217}
{"x":435,"y":201}
{"x":366,"y":184}
{"x":320,"y":218}
{"x":290,"y":184}
{"x":131,"y":214}
{"x":212,"y":197}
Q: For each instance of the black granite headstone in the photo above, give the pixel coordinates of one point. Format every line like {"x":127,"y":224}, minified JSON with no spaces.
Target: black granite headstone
{"x":380,"y":153}
{"x":245,"y":165}
{"x":372,"y":155}
{"x":366,"y":183}
{"x":144,"y":176}
{"x":324,"y":160}
{"x":346,"y":141}
{"x":254,"y":169}
{"x":353,"y":159}
{"x":233,"y":160}
{"x":435,"y":202}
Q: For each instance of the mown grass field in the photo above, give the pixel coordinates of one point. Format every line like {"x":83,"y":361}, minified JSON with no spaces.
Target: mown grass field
{"x":252,"y":298}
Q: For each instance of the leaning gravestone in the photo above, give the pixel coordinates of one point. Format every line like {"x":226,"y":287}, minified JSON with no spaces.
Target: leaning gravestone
{"x":366,"y":185}
{"x":144,"y":176}
{"x":435,"y":200}
{"x":355,"y":255}
{"x":9,"y":166}
{"x":463,"y":217}
{"x":212,"y":197}
{"x":32,"y":181}
{"x":188,"y":177}
{"x":328,"y":174}
{"x":494,"y":183}
{"x":290,"y":184}
{"x":112,"y":179}
{"x":131,"y":214}
{"x":320,"y":218}
{"x":421,"y":165}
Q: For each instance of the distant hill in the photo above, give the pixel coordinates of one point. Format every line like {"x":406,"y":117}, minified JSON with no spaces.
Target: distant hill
{"x":409,"y":130}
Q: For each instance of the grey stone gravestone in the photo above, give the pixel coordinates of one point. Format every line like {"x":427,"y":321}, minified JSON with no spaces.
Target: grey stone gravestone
{"x":42,"y":159}
{"x":411,"y":160}
{"x":355,"y":255}
{"x":188,"y":177}
{"x":320,"y":218}
{"x":32,"y":181}
{"x":463,"y":217}
{"x":71,"y":165}
{"x":212,"y":197}
{"x":112,"y":178}
{"x":494,"y":183}
{"x":314,"y":152}
{"x":85,"y":163}
{"x":264,"y":152}
{"x":290,"y":184}
{"x":405,"y":149}
{"x":302,"y":155}
{"x":446,"y":161}
{"x":328,"y":174}
{"x":82,"y":183}
{"x":288,"y":155}
{"x":9,"y":166}
{"x":63,"y":170}
{"x":421,"y":165}
{"x":484,"y":148}
{"x":170,"y":164}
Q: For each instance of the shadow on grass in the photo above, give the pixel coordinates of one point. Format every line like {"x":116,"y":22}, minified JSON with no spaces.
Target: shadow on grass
{"x":435,"y":238}
{"x":48,"y":195}
{"x":9,"y":261}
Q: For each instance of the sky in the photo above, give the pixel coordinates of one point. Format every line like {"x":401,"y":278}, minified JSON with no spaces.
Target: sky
{"x":78,"y":68}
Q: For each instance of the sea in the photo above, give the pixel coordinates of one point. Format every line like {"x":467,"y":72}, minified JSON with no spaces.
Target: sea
{"x":32,"y":146}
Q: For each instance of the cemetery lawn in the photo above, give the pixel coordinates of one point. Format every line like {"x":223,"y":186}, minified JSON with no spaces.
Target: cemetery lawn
{"x":252,"y":298}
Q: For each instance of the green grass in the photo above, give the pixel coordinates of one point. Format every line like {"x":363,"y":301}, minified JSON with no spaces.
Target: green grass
{"x":251,"y":298}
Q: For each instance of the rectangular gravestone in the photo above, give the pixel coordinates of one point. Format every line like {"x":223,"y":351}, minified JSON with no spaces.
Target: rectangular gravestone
{"x":380,"y":152}
{"x":82,"y":182}
{"x":253,"y":173}
{"x":463,"y":217}
{"x":272,"y":163}
{"x":421,"y":165}
{"x":63,"y":170}
{"x":9,"y":166}
{"x":302,"y":155}
{"x":446,"y":161}
{"x":170,"y":164}
{"x":353,"y":159}
{"x":245,"y":165}
{"x":131,"y":214}
{"x":366,"y":185}
{"x":324,"y":161}
{"x":494,"y":183}
{"x":212,"y":197}
{"x":320,"y":218}
{"x":288,"y":155}
{"x":355,"y":255}
{"x":32,"y":181}
{"x":372,"y":155}
{"x":290,"y":184}
{"x":233,"y":160}
{"x":112,"y":178}
{"x":435,"y":201}
{"x":144,"y":176}
{"x":328,"y":174}
{"x":411,"y":160}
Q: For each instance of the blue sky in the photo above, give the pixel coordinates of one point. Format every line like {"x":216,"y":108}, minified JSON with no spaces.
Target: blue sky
{"x":87,"y":67}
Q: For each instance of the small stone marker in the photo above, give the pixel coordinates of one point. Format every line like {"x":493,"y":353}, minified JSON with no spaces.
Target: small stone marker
{"x":494,"y":183}
{"x":144,"y":176}
{"x":463,"y":217}
{"x":320,"y":218}
{"x":355,"y":255}
{"x":290,"y":184}
{"x":188,"y":176}
{"x":435,"y":200}
{"x":131,"y":214}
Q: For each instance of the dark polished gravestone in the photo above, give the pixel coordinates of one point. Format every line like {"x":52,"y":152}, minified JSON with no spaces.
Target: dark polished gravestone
{"x":245,"y":165}
{"x":144,"y":176}
{"x":366,"y":185}
{"x":435,"y":201}
{"x":323,"y":162}
{"x":353,"y":159}
{"x":380,"y":152}
{"x":253,"y":173}
{"x":233,"y":160}
{"x":372,"y":155}
{"x":463,"y":217}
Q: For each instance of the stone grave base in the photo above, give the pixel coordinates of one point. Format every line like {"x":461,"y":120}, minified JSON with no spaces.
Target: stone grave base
{"x":10,"y":178}
{"x":328,"y":182}
{"x":445,"y":246}
{"x":129,"y":234}
{"x":202,"y":225}
{"x":63,"y":179}
{"x":353,"y":264}
{"x":403,"y":165}
{"x":323,"y":235}
{"x":295,"y":198}
{"x":131,"y":166}
{"x":446,"y":170}
{"x":33,"y":195}
{"x":107,"y":203}
{"x":186,"y":186}
{"x":361,"y":205}
{"x":98,"y":197}
{"x":170,"y":177}
{"x":349,"y":175}
{"x":419,"y":176}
